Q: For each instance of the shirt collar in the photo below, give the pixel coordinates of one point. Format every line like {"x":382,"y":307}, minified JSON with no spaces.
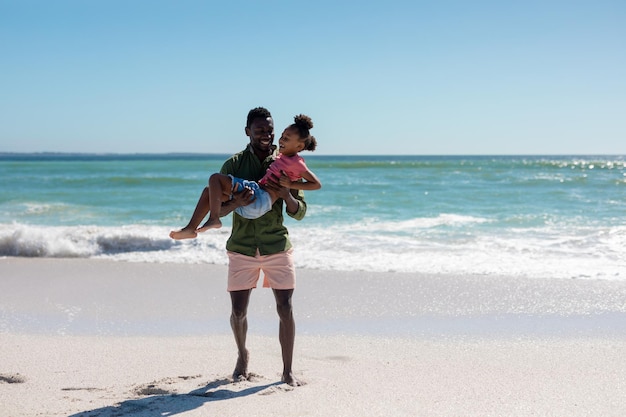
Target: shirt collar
{"x":273,"y":155}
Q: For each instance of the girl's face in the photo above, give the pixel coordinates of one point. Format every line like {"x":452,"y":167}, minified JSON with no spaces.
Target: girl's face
{"x":289,"y":143}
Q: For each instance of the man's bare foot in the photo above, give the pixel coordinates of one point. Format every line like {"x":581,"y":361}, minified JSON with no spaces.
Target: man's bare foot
{"x":241,"y":368}
{"x":210,"y":224}
{"x":290,"y":379}
{"x":185,"y":233}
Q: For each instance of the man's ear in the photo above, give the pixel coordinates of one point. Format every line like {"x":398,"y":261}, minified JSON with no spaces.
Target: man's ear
{"x":247,"y":131}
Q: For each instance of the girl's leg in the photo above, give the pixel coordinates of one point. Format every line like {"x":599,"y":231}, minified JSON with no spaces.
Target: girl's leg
{"x":221,"y":187}
{"x":202,"y":209}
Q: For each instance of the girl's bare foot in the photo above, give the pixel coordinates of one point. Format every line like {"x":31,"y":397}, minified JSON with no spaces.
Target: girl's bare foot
{"x":210,"y":224}
{"x":185,"y":233}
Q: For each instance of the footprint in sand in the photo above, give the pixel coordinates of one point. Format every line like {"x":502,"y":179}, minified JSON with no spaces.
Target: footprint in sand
{"x":151,"y":389}
{"x":12,"y":379}
{"x":157,"y":387}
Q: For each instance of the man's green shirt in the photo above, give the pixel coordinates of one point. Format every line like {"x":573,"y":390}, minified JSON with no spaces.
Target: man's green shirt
{"x":267,"y":233}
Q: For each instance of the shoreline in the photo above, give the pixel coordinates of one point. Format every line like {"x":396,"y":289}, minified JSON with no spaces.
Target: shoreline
{"x":103,"y":297}
{"x":104,"y":338}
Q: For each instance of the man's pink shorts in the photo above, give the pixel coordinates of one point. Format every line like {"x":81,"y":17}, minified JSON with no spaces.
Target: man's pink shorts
{"x":278,"y":270}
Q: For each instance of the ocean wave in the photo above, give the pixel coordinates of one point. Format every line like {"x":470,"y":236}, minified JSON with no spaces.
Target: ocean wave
{"x":77,"y":241}
{"x":543,"y":252}
{"x":438,"y":245}
{"x":35,"y":208}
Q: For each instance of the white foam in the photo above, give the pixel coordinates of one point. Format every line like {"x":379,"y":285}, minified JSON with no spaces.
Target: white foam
{"x":417,"y":245}
{"x":546,"y":252}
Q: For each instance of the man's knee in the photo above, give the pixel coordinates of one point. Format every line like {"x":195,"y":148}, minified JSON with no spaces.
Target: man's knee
{"x":239,"y":314}
{"x":284,"y":310}
{"x":283,"y":303}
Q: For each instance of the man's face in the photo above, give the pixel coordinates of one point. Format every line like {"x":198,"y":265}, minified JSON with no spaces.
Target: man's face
{"x":261,"y":134}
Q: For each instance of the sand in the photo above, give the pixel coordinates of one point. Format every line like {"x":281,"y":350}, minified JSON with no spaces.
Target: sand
{"x":99,"y":338}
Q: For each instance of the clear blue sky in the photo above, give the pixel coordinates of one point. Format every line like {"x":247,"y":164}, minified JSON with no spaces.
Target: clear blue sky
{"x":387,"y":77}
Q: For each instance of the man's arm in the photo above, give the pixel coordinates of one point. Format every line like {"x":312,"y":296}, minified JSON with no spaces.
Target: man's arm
{"x":294,"y":199}
{"x":241,"y":198}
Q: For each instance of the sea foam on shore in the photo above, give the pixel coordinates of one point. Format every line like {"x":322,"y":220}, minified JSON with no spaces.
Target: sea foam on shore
{"x":409,"y":246}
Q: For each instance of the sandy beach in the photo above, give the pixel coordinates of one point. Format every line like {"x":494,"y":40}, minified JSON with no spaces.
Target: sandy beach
{"x":99,"y":338}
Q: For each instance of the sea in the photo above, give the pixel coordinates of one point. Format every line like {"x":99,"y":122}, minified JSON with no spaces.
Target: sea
{"x":528,"y":216}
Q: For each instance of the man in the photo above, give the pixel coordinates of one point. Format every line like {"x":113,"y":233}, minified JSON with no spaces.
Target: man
{"x":261,"y":244}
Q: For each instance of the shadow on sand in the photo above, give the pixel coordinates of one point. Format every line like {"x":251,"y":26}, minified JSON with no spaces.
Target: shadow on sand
{"x":167,"y":404}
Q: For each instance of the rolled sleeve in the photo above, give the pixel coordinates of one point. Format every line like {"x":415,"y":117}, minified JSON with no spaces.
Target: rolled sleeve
{"x":301,"y":212}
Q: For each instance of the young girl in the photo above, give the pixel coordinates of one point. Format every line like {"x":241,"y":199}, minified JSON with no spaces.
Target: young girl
{"x":288,"y":170}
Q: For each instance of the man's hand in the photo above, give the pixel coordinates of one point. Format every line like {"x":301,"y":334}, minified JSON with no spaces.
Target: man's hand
{"x":276,"y":187}
{"x":285,"y":193}
{"x":284,"y":180}
{"x":243,"y":197}
{"x":240,"y":198}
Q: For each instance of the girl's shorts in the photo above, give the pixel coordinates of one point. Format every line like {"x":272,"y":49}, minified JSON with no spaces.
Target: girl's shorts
{"x":262,"y":200}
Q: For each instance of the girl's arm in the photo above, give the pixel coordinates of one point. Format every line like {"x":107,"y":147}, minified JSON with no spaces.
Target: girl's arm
{"x":311,"y":182}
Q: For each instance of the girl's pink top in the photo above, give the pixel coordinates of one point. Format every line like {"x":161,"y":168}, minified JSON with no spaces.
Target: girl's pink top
{"x":293,"y":166}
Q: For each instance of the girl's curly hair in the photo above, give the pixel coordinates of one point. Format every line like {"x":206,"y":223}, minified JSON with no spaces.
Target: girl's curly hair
{"x":303,"y":124}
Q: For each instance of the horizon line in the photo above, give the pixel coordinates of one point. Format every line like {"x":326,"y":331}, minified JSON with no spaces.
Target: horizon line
{"x":58,"y":153}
